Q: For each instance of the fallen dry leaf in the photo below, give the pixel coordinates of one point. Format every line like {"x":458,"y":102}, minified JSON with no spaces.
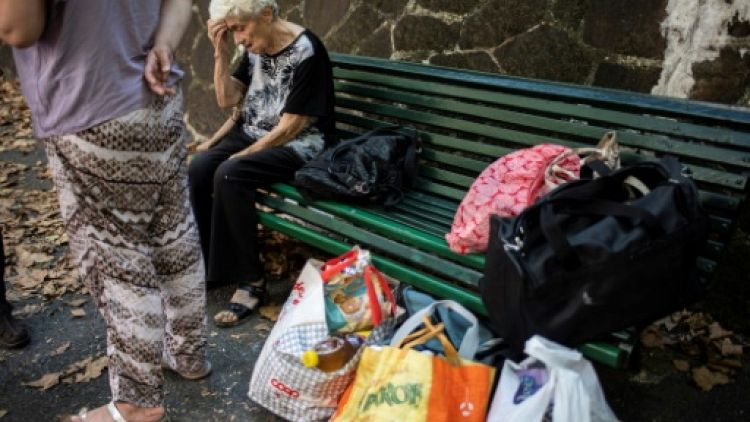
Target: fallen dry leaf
{"x":270,"y":312}
{"x":730,"y":349}
{"x":717,"y":332}
{"x":62,"y":349}
{"x":239,"y":336}
{"x":3,"y":412}
{"x":78,"y":313}
{"x":27,"y":310}
{"x":651,"y":338}
{"x":28,"y":258}
{"x":45,"y":382}
{"x":77,"y":303}
{"x":720,"y":368}
{"x":707,"y":380}
{"x":681,"y":365}
{"x":730,"y":363}
{"x":30,"y":280}
{"x":93,"y":370}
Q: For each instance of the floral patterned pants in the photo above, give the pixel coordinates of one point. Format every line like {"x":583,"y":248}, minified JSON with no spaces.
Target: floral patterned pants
{"x":122,"y":187}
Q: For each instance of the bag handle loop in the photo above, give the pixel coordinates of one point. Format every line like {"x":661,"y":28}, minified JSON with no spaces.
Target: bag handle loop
{"x":426,"y":334}
{"x":372,"y":294}
{"x":470,"y":342}
{"x":336,"y":265}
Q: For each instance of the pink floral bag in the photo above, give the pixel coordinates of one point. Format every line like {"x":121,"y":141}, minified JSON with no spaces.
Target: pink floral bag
{"x":506,"y":187}
{"x":516,"y":181}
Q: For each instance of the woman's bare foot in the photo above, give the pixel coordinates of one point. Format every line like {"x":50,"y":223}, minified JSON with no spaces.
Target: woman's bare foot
{"x":130,"y":412}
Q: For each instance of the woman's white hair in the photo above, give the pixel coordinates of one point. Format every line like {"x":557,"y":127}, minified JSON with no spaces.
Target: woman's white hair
{"x":220,"y":9}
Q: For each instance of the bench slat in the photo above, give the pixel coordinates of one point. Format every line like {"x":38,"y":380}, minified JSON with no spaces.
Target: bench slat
{"x":417,"y":213}
{"x":419,"y":205}
{"x":434,"y":200}
{"x":571,"y":110}
{"x":404,"y":218}
{"x":658,"y":143}
{"x":716,"y":114}
{"x":429,"y":186}
{"x":446,"y":176}
{"x":454,"y":160}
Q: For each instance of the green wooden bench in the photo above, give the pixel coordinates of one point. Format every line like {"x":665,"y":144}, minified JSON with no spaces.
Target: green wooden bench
{"x":469,"y":119}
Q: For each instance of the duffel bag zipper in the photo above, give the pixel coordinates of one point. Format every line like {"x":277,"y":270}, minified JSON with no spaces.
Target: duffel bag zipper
{"x":513,"y":248}
{"x":516,"y":244}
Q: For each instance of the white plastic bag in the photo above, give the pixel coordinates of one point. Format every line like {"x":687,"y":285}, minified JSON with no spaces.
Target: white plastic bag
{"x":553,"y":379}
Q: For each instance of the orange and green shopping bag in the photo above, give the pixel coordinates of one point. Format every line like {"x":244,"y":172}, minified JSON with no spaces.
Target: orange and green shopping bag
{"x":398,"y":384}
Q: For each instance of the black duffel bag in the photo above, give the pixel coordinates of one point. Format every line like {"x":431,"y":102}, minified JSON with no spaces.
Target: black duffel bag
{"x":591,"y":257}
{"x":373,"y":168}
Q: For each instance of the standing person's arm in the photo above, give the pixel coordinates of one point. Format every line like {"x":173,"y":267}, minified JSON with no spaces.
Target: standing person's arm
{"x":21,"y":22}
{"x":175,"y":17}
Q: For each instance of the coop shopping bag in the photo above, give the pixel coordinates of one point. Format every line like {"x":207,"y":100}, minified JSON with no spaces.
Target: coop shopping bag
{"x":303,"y":308}
{"x":554,"y":382}
{"x":398,"y":384}
{"x":280,"y":382}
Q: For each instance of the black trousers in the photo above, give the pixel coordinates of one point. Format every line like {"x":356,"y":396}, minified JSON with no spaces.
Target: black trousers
{"x":222,"y":193}
{"x":4,"y":305}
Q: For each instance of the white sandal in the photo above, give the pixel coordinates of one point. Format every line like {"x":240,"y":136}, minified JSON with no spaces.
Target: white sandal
{"x":113,"y":412}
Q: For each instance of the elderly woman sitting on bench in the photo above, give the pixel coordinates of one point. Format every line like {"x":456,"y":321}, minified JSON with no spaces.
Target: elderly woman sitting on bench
{"x":283,"y":93}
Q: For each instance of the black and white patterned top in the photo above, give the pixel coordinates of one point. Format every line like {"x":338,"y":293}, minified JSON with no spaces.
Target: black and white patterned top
{"x":296,"y":80}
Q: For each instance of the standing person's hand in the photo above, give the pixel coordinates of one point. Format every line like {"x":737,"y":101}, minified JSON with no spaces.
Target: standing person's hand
{"x":218,"y":34}
{"x":158,"y":67}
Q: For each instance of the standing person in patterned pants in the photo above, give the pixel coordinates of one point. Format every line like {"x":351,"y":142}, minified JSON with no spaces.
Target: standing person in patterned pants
{"x":100,"y":81}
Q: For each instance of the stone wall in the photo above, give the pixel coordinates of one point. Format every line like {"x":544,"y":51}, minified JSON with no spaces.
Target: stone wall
{"x":685,"y":48}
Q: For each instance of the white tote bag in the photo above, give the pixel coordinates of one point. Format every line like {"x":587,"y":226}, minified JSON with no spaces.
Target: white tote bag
{"x":553,"y":379}
{"x":304,"y":305}
{"x":280,"y":382}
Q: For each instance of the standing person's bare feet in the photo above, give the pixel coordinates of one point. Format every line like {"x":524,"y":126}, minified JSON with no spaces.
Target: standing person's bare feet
{"x":121,"y":412}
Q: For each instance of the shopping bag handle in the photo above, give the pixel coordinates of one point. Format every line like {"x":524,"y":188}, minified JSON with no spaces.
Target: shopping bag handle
{"x":426,"y":334}
{"x":553,"y":355}
{"x":470,"y":342}
{"x":335,"y":265}
{"x":372,"y":294}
